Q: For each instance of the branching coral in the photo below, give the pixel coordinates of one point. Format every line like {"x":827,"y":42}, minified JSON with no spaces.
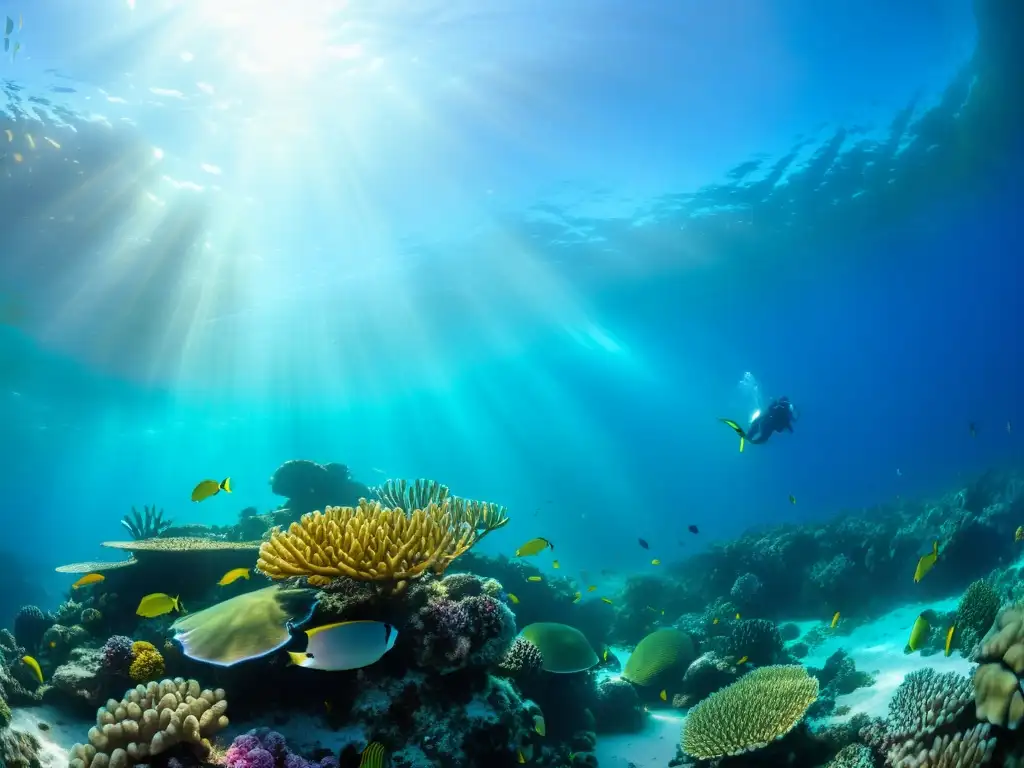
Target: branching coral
{"x":419,"y":494}
{"x":751,"y":713}
{"x":523,"y":658}
{"x":150,"y":720}
{"x":148,"y":525}
{"x":147,"y":662}
{"x":373,"y":543}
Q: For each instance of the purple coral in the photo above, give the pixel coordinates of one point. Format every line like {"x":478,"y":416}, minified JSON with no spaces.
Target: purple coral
{"x":117,"y":654}
{"x":474,"y":631}
{"x":264,"y":748}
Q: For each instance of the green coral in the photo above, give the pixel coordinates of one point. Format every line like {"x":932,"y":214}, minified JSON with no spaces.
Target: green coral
{"x":853,"y":756}
{"x":975,"y":613}
{"x":750,"y":714}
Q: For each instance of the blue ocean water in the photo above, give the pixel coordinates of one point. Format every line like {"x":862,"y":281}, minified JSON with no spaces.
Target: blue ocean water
{"x":527,"y":250}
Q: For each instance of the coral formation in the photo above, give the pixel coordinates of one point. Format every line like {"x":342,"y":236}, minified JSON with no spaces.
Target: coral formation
{"x":757,"y":639}
{"x":29,"y":626}
{"x":420,"y":494}
{"x":974,"y":615}
{"x":80,"y":677}
{"x":147,"y":662}
{"x":523,"y":658}
{"x":309,"y":486}
{"x":707,"y":674}
{"x":264,"y":748}
{"x":373,"y":543}
{"x":150,"y":524}
{"x":150,"y":720}
{"x":997,"y":691}
{"x":745,"y":590}
{"x":563,"y":649}
{"x":661,"y":652}
{"x":853,"y":756}
{"x":750,"y":714}
{"x":19,"y":749}
{"x":618,"y":708}
{"x":117,"y":654}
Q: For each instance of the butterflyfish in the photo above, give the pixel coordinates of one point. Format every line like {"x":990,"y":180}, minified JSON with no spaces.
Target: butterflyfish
{"x":555,"y":564}
{"x":592,"y":588}
{"x":534,"y":547}
{"x":655,"y":561}
{"x":738,"y":430}
{"x":742,"y":660}
{"x":663,"y":695}
{"x":1019,"y":533}
{"x":577,"y":596}
{"x":32,"y":664}
{"x":606,"y":600}
{"x":919,"y":633}
{"x":208,"y":488}
{"x":232,"y":576}
{"x":157,"y":604}
{"x":539,"y":726}
{"x":373,"y":756}
{"x":792,"y":499}
{"x":949,"y":638}
{"x":345,"y":645}
{"x":835,"y":619}
{"x":89,"y":578}
{"x":926,"y":562}
{"x":513,"y":599}
{"x":533,"y":578}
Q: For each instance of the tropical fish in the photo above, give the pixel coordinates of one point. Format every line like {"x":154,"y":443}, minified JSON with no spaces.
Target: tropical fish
{"x":577,"y":596}
{"x":345,"y":645}
{"x":8,"y":27}
{"x":918,"y":633}
{"x":738,"y":430}
{"x":10,"y":135}
{"x":606,"y":600}
{"x":533,"y":578}
{"x":232,"y":576}
{"x":538,"y":725}
{"x":692,"y":529}
{"x":926,"y":562}
{"x":14,"y":53}
{"x":835,"y":619}
{"x":30,"y":140}
{"x":157,"y":604}
{"x":555,"y":564}
{"x":792,"y":499}
{"x":742,"y":660}
{"x":604,"y":655}
{"x":1018,"y":535}
{"x":89,"y":578}
{"x":520,"y":757}
{"x":34,"y":666}
{"x":513,"y":599}
{"x":655,"y":561}
{"x":373,"y":756}
{"x":534,"y":547}
{"x":663,"y":695}
{"x":973,"y":429}
{"x":643,"y":544}
{"x":949,"y":638}
{"x":592,"y":588}
{"x":714,"y":620}
{"x":738,"y":616}
{"x":208,"y":488}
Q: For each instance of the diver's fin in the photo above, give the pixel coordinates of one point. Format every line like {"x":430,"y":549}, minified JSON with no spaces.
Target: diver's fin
{"x":734,"y":427}
{"x":743,"y":442}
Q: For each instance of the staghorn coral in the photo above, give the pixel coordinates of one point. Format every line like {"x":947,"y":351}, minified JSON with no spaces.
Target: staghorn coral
{"x":523,"y":658}
{"x":150,"y":720}
{"x":372,"y":543}
{"x":974,"y":615}
{"x":421,"y":493}
{"x":751,"y":713}
{"x":662,"y":652}
{"x":147,"y":662}
{"x":997,"y":692}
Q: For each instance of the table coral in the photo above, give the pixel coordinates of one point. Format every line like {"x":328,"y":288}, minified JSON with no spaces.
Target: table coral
{"x":150,"y":720}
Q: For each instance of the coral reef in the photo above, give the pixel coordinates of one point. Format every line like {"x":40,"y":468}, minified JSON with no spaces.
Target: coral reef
{"x":150,"y":720}
{"x":309,"y":486}
{"x":563,"y":649}
{"x":750,"y":714}
{"x":974,"y":615}
{"x":839,"y":676}
{"x":523,"y":658}
{"x":150,"y":524}
{"x":707,"y":674}
{"x":19,"y":749}
{"x":618,"y":708}
{"x":264,"y":748}
{"x":117,"y":654}
{"x":420,"y":494}
{"x":29,"y":626}
{"x":81,"y":676}
{"x":757,"y":639}
{"x":147,"y":662}
{"x":662,"y":654}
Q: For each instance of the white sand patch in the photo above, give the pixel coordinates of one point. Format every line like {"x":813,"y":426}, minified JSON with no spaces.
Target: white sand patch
{"x":64,"y":731}
{"x":654,"y":745}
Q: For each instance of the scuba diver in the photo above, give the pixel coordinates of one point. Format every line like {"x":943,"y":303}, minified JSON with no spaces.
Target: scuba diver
{"x":777,"y":417}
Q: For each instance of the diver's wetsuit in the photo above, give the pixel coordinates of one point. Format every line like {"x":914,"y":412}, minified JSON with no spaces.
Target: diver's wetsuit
{"x":777,"y":417}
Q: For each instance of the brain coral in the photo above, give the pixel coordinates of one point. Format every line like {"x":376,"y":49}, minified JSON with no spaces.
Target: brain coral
{"x":564,"y":649}
{"x":661,"y":651}
{"x":750,"y":714}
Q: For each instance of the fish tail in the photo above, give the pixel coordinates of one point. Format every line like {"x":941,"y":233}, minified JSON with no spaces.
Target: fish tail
{"x":225,"y":484}
{"x":295,"y":658}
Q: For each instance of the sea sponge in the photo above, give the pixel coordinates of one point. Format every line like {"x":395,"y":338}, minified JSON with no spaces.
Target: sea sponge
{"x":660,"y":652}
{"x":150,"y":720}
{"x":147,"y":662}
{"x":997,"y":693}
{"x":564,"y":649}
{"x":975,"y":613}
{"x":373,"y":543}
{"x":750,"y":714}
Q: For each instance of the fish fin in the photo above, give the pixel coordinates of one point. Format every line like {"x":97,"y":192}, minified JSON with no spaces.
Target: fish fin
{"x":743,"y":442}
{"x":225,"y":484}
{"x":295,"y":658}
{"x":734,"y":427}
{"x":325,"y":627}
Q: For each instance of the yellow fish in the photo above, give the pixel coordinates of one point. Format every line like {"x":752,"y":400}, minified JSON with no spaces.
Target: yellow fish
{"x":927,"y":562}
{"x":655,"y":561}
{"x":792,"y":499}
{"x":1019,"y":533}
{"x":737,"y":616}
{"x":577,"y":597}
{"x":715,"y":620}
{"x":208,"y":488}
{"x":31,"y":141}
{"x":10,"y":135}
{"x":592,"y":588}
{"x":533,"y":578}
{"x":663,"y":695}
{"x":17,"y":157}
{"x":604,"y":655}
{"x":949,"y":639}
{"x":232,"y":576}
{"x":538,"y":725}
{"x":606,"y":600}
{"x":835,"y":619}
{"x":533,"y":547}
{"x":554,"y":564}
{"x":157,"y":604}
{"x":919,"y":633}
{"x":520,"y":756}
{"x":34,"y":666}
{"x":742,"y":660}
{"x":89,"y":578}
{"x":737,"y":429}
{"x":513,"y":599}
{"x":53,"y":143}
{"x":373,"y":756}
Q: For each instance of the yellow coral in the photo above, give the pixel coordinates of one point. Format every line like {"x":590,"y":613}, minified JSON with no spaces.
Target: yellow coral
{"x":147,"y":662}
{"x":750,"y":714}
{"x":374,"y":543}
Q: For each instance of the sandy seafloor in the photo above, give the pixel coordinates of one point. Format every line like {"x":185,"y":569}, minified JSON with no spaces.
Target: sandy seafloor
{"x":876,"y":647}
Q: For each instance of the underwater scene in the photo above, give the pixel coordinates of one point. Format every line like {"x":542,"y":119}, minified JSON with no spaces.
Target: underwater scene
{"x":561,"y":384}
